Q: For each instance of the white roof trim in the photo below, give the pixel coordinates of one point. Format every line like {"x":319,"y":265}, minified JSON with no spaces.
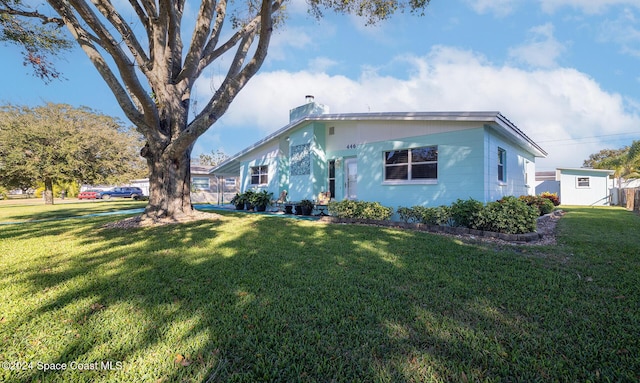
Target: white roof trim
{"x":607,"y":171}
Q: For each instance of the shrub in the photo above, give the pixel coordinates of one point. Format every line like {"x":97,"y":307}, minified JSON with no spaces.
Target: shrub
{"x":408,"y":214}
{"x":359,"y":210}
{"x":553,"y":197}
{"x":544,"y":205}
{"x":508,"y":215}
{"x":440,"y":215}
{"x":261,"y":198}
{"x":465,"y":212}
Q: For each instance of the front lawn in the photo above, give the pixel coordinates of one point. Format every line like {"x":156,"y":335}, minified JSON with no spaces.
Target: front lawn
{"x":251,"y":298}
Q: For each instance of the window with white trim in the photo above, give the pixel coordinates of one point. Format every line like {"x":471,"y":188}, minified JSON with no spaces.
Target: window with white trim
{"x":502,"y":162}
{"x":582,"y":182}
{"x":411,"y":165}
{"x":200,"y":183}
{"x":259,"y":175}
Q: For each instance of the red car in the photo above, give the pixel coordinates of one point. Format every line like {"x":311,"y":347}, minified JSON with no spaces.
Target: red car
{"x":89,"y":194}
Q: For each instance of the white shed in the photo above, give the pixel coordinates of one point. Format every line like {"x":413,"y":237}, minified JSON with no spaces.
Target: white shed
{"x":586,"y":187}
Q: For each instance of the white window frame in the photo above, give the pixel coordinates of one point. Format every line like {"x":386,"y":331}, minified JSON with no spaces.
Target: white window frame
{"x":588,"y":180}
{"x":197,"y":185}
{"x":502,"y":165}
{"x":409,"y":164}
{"x":262,"y":174}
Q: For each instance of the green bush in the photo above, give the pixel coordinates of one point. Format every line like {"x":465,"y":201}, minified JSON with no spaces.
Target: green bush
{"x":508,"y":215}
{"x":465,"y":212}
{"x":359,"y":210}
{"x":440,"y":215}
{"x":261,"y":198}
{"x":553,"y":197}
{"x":408,"y":214}
{"x":544,"y":205}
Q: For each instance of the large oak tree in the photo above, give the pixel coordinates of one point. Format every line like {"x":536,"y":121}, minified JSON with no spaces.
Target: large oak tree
{"x":152,"y":69}
{"x":59,"y":143}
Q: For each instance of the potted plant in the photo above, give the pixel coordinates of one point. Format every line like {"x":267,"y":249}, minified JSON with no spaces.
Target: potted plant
{"x":305,"y":206}
{"x":261,"y":199}
{"x":248,"y":199}
{"x":239,"y":200}
{"x":288,"y":208}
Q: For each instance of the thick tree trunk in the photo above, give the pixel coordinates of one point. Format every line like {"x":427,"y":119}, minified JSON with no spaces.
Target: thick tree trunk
{"x":169,"y":187}
{"x":48,"y":191}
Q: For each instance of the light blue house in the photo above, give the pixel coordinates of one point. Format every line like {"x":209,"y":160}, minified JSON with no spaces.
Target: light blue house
{"x":397,"y":159}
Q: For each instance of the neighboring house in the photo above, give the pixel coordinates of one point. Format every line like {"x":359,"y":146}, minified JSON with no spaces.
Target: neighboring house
{"x":578,"y":186}
{"x":205,"y":187}
{"x":397,"y":159}
{"x":547,"y":182}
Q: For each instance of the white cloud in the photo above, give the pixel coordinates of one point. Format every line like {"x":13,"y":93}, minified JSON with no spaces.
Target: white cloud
{"x":500,"y":8}
{"x":586,"y":6}
{"x":503,"y":8}
{"x":623,"y":31}
{"x":557,"y":107}
{"x":541,"y":49}
{"x":292,"y":36}
{"x":321,"y":64}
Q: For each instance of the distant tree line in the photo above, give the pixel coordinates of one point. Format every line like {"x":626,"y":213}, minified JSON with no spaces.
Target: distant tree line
{"x":624,"y":161}
{"x":57,"y":144}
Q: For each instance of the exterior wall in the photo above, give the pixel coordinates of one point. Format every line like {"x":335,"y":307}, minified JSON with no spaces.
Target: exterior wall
{"x":460,"y":169}
{"x":307,"y":162}
{"x":367,"y":141}
{"x":596,"y":194}
{"x":467,"y":162}
{"x":520,"y":169}
{"x":267,"y":156}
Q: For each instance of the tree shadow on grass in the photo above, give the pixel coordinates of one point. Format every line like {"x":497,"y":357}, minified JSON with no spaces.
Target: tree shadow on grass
{"x":31,"y":213}
{"x":253,"y":298}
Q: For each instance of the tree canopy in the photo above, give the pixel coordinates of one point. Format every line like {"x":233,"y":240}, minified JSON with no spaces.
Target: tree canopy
{"x":39,"y":35}
{"x":60,"y":143}
{"x":150,"y":54}
{"x":624,"y":161}
{"x":215,"y":157}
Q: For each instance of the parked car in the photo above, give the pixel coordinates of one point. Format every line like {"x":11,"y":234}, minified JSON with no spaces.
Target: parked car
{"x":121,"y":192}
{"x":89,"y":194}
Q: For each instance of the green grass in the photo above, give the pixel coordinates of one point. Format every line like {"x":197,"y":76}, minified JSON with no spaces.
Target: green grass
{"x":253,"y":298}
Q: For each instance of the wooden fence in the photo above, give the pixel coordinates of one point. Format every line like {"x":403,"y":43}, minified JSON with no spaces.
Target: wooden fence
{"x":632,"y":199}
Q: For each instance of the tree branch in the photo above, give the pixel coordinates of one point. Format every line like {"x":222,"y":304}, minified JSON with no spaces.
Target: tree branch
{"x":134,"y":91}
{"x":112,"y":15}
{"x":201,"y":33}
{"x":237,"y":77}
{"x":34,"y":14}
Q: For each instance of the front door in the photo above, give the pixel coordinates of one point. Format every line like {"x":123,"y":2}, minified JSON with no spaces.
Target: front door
{"x":351,"y":169}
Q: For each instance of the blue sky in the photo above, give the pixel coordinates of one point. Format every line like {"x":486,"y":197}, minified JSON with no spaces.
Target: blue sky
{"x":566,"y":72}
